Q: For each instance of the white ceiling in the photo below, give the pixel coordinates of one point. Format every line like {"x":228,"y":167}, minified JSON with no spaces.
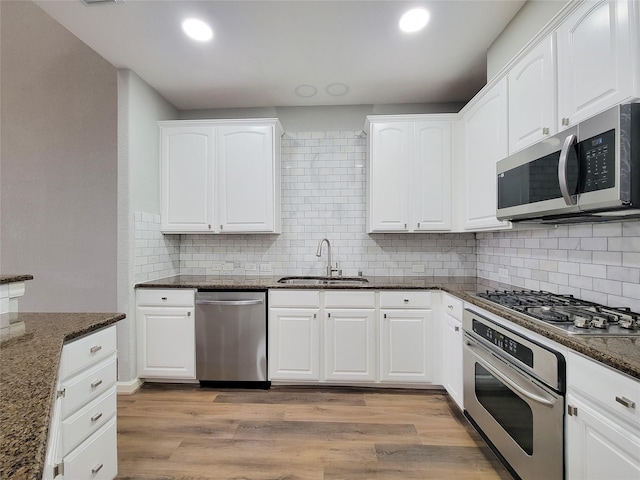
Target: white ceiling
{"x":262,"y":50}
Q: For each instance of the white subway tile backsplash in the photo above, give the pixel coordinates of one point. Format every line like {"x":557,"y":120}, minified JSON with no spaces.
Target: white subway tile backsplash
{"x":599,"y":262}
{"x":323,"y":195}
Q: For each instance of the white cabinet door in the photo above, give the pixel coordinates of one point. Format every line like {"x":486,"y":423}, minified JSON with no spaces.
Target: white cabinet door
{"x":294,"y":344}
{"x":532,"y":96}
{"x":350,"y":344}
{"x":484,"y":144}
{"x":596,"y":50}
{"x":245,"y":180}
{"x":431,"y":177}
{"x":187,"y":178}
{"x":166,"y":342}
{"x":406,"y":346}
{"x":452,"y":361}
{"x":599,"y":447}
{"x":388,"y":175}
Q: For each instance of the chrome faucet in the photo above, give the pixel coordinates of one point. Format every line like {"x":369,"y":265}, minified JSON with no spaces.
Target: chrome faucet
{"x":330,"y":269}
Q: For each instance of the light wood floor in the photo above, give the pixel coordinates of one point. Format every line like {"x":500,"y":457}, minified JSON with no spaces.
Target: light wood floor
{"x":286,"y":433}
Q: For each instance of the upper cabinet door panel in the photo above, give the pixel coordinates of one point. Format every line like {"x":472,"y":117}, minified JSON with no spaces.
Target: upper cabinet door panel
{"x":187,"y":178}
{"x":532,"y":97}
{"x":245,"y":178}
{"x":432,"y":175}
{"x":485,"y":144}
{"x":389,"y":178}
{"x":595,"y":64}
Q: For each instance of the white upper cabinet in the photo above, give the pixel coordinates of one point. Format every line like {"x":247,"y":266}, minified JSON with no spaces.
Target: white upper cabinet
{"x":388,"y":177}
{"x":409,"y":174}
{"x":532,"y":96}
{"x":598,"y":57}
{"x":187,"y":175}
{"x":432,"y":175}
{"x":220,"y":176}
{"x":484,"y":143}
{"x":246,"y":173}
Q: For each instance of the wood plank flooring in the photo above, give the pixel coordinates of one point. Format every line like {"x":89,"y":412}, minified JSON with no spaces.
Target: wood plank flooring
{"x":180,"y":432}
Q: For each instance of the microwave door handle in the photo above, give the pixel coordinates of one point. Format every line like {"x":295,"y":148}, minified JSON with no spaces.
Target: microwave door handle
{"x":563,"y":165}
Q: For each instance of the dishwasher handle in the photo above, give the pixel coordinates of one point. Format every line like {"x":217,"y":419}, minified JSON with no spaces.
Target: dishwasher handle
{"x":230,"y":303}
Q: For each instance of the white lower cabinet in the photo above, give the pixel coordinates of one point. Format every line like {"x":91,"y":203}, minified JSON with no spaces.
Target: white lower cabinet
{"x":452,"y":379}
{"x":294,"y":344}
{"x":335,"y":336}
{"x":349,"y":336}
{"x":294,"y":335}
{"x":82,"y":437}
{"x":602,"y":422}
{"x":166,"y":333}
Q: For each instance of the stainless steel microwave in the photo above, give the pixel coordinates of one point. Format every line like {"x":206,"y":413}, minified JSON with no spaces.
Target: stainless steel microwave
{"x":589,"y":172}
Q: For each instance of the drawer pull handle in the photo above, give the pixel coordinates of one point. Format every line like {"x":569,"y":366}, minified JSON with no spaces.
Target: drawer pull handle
{"x":626,"y":402}
{"x":96,"y":469}
{"x":96,"y":417}
{"x":406,"y":300}
{"x":450,"y":307}
{"x":164,"y":298}
{"x":96,"y":384}
{"x":95,"y":349}
{"x":457,"y":329}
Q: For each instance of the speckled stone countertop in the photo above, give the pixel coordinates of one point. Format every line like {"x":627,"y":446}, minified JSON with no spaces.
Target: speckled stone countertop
{"x":14,"y":278}
{"x":619,"y":352}
{"x":28,"y":374}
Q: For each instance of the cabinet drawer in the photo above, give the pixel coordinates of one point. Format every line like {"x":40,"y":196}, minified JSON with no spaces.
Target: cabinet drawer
{"x":604,"y":384}
{"x":294,"y":298}
{"x":83,"y":388}
{"x":349,"y":299}
{"x":83,"y":352}
{"x":81,"y":425}
{"x":97,"y":458}
{"x":452,"y":306}
{"x":406,"y":299}
{"x":172,"y":297}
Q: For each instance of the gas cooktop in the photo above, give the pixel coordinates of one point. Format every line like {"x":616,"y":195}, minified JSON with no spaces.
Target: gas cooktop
{"x":572,"y":315}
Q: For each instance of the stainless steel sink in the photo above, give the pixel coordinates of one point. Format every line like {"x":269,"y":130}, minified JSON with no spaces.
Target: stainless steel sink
{"x":323,"y":281}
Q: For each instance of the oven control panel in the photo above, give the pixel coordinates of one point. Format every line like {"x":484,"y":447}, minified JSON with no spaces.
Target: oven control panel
{"x":504,"y":343}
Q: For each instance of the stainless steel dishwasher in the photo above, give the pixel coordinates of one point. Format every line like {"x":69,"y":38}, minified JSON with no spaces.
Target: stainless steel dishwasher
{"x":231,"y":338}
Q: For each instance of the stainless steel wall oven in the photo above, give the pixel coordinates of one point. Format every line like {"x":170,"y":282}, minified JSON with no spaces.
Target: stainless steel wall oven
{"x":514,"y":395}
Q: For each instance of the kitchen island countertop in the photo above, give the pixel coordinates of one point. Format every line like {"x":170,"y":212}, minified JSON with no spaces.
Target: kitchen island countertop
{"x":14,"y":278}
{"x":28,"y":373}
{"x":619,"y":352}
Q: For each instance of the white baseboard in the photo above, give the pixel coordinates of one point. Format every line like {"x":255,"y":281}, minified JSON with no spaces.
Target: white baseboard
{"x":129,"y":388}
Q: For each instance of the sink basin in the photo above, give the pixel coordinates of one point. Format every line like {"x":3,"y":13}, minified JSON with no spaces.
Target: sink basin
{"x":323,"y":281}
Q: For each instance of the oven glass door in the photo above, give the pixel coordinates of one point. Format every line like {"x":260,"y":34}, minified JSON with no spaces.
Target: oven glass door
{"x":510,"y":411}
{"x":521,"y":418}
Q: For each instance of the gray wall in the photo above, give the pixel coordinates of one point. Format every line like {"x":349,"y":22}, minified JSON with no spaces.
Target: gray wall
{"x":139,"y":109}
{"x":59,"y":164}
{"x":531,"y":18}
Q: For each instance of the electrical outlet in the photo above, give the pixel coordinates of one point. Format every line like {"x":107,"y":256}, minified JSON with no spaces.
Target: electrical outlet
{"x":228,"y":266}
{"x":418,"y":268}
{"x":216,"y":266}
{"x":250,"y":267}
{"x":265,"y":268}
{"x":503,"y":273}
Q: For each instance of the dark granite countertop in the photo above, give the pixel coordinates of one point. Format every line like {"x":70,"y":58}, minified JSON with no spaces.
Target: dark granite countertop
{"x":620,"y":352}
{"x":28,"y":373}
{"x":14,"y":278}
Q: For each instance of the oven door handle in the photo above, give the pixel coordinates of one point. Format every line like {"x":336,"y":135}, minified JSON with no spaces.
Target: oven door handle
{"x":511,"y":383}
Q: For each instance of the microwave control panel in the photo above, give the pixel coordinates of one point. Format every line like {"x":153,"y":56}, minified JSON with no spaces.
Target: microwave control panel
{"x":597,"y":162}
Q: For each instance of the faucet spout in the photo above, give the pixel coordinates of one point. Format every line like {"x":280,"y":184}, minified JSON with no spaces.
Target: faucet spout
{"x":319,"y":253}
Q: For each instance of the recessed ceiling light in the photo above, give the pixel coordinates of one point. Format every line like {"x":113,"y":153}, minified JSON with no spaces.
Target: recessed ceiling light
{"x":197,"y":30}
{"x":306,"y":91}
{"x":414,"y":20}
{"x":337,"y":89}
